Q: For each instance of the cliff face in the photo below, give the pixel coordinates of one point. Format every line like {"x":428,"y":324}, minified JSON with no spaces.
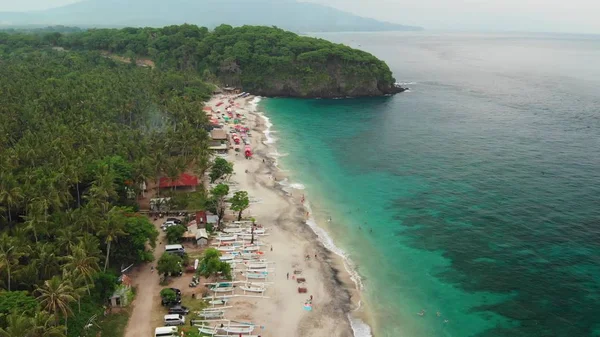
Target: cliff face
{"x":332,"y":80}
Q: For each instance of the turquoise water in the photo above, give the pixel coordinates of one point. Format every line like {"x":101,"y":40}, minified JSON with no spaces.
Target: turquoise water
{"x":476,"y":194}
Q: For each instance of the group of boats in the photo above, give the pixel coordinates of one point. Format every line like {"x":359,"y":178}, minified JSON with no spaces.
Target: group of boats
{"x":240,"y":246}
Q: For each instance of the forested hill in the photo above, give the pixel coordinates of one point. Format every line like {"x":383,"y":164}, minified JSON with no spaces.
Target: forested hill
{"x":292,"y":15}
{"x":80,"y":133}
{"x":262,"y":60}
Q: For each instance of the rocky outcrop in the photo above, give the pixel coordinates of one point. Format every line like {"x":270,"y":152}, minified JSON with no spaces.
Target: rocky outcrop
{"x":330,"y":81}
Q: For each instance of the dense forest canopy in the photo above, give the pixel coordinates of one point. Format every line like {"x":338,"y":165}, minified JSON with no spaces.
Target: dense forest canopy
{"x":262,"y":60}
{"x":79,"y":134}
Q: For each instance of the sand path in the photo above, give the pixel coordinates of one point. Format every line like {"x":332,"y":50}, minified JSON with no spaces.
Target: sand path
{"x":147,"y":298}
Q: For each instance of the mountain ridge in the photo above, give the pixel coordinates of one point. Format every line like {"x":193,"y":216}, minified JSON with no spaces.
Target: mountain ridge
{"x":287,"y":14}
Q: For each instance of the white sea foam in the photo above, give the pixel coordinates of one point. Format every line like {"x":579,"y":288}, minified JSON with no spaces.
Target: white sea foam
{"x":359,"y":328}
{"x":406,"y":83}
{"x":254,"y":103}
{"x":286,"y":183}
{"x":327,"y":241}
{"x":277,"y":154}
{"x":297,"y":186}
{"x":267,"y":132}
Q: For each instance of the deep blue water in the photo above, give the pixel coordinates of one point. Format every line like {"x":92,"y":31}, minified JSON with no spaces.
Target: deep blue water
{"x":476,"y":194}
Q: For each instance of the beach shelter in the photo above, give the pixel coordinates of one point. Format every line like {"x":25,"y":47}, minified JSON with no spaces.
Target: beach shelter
{"x":247,"y":151}
{"x":184,"y":180}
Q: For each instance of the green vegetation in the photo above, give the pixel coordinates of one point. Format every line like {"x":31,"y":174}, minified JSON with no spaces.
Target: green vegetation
{"x":211,"y":265}
{"x":240,"y":202}
{"x":217,"y":203}
{"x":263,"y":60}
{"x":169,"y":264}
{"x":175,"y":233}
{"x":80,"y":133}
{"x":219,"y":169}
{"x":168,"y":294}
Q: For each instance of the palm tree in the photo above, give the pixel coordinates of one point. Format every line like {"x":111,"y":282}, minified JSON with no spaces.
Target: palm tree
{"x":46,"y":260}
{"x":18,"y":325}
{"x":79,"y":283}
{"x":10,"y":195}
{"x":44,"y":325}
{"x":112,"y":228}
{"x":66,"y":238}
{"x":55,"y":296}
{"x":9,"y":255}
{"x":82,"y":264}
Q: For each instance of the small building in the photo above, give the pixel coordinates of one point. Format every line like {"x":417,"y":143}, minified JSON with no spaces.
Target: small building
{"x":123,"y":293}
{"x":185,"y":182}
{"x":231,"y":90}
{"x":218,"y":135}
{"x":218,"y":148}
{"x":201,"y":237}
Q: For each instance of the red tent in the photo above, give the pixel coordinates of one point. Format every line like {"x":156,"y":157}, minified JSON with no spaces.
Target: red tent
{"x":183,"y":180}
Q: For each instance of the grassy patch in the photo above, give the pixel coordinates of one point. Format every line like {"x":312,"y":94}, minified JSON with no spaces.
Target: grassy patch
{"x":112,"y":325}
{"x":194,"y":304}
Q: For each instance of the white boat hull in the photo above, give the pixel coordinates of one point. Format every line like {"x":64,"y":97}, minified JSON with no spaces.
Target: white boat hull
{"x":223,"y":290}
{"x":253,"y":289}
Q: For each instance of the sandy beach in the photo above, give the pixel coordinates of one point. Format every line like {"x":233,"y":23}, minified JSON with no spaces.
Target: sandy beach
{"x":289,"y":243}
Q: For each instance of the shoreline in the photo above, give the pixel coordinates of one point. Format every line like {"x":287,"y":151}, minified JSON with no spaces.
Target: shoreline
{"x":294,"y":239}
{"x":344,"y":274}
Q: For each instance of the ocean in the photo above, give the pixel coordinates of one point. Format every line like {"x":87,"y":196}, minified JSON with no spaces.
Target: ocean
{"x":473,"y":198}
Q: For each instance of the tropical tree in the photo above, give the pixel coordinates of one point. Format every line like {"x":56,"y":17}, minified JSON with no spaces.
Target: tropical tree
{"x":80,"y":263}
{"x":9,"y":256}
{"x":18,"y":325}
{"x":112,"y":228}
{"x":56,"y":295}
{"x":168,"y":294}
{"x":42,"y":324}
{"x":219,"y":169}
{"x":211,"y":265}
{"x":240,"y":202}
{"x":175,"y":233}
{"x":218,"y":202}
{"x":169,"y":264}
{"x":10,"y":194}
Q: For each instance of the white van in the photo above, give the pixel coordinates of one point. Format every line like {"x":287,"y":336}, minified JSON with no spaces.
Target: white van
{"x":176,"y":249}
{"x":174,"y":319}
{"x":165,"y":331}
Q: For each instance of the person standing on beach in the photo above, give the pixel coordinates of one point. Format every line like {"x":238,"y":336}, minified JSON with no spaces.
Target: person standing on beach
{"x":287,"y":276}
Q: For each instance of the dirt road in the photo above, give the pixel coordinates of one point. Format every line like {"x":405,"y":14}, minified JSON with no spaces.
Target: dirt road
{"x":147,"y":299}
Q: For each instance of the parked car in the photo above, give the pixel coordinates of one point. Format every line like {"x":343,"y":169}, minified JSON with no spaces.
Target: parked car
{"x":167,"y":224}
{"x":179,"y":309}
{"x":175,"y":220}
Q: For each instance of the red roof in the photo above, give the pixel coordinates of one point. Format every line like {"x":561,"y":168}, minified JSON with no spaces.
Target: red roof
{"x":184,"y":180}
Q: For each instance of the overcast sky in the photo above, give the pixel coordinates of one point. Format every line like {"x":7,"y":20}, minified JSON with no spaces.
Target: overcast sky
{"x":490,"y":15}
